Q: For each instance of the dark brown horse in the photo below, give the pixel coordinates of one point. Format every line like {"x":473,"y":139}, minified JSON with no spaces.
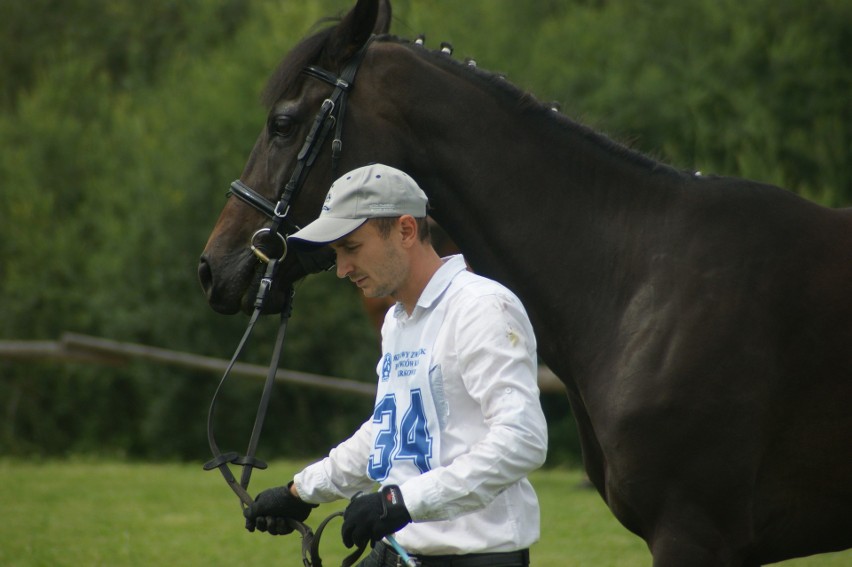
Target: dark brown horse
{"x":702,"y":325}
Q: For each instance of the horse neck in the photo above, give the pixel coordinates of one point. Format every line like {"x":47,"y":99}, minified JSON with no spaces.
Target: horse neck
{"x":529,"y":197}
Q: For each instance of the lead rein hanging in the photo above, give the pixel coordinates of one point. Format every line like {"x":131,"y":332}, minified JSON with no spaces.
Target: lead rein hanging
{"x":325,"y":120}
{"x":249,"y":461}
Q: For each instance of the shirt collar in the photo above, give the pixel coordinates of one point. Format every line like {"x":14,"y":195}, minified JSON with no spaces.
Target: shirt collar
{"x":437,"y":285}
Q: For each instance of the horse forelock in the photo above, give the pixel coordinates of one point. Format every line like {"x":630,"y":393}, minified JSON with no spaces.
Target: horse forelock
{"x":284,"y":79}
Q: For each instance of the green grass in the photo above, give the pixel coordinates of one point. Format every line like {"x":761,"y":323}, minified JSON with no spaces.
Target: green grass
{"x":81,"y":513}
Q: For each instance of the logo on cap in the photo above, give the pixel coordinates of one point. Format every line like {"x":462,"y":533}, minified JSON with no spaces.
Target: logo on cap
{"x":327,"y":204}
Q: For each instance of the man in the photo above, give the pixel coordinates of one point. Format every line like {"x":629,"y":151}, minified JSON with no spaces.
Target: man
{"x":457,"y":424}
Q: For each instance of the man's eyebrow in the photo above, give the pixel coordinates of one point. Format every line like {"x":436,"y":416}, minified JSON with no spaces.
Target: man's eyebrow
{"x":342,"y":242}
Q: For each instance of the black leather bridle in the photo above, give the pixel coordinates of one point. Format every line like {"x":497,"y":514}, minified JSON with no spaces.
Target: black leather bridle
{"x":331,"y":114}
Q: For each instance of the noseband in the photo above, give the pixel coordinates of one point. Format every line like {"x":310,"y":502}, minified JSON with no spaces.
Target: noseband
{"x":331,"y":113}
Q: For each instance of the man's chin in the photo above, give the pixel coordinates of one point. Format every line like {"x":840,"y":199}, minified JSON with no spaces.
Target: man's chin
{"x":373,"y":293}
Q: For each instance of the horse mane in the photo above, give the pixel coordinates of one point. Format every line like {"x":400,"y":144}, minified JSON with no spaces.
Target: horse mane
{"x":284,"y":80}
{"x":526,"y":103}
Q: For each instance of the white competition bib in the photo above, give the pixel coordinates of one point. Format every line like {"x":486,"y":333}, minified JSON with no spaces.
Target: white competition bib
{"x":406,"y":418}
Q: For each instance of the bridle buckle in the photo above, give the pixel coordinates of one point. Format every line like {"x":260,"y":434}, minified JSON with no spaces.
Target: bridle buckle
{"x":277,"y":212}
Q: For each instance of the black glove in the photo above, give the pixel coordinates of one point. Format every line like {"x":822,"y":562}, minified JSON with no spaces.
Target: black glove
{"x":373,"y":516}
{"x":273,"y":507}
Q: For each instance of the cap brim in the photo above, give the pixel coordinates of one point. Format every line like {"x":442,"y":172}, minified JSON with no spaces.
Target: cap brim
{"x":323,"y":231}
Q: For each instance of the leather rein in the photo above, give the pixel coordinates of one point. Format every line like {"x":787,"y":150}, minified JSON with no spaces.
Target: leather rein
{"x":331,"y":114}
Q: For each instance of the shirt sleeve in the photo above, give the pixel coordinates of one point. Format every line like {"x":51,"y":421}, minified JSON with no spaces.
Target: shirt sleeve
{"x":341,"y":474}
{"x":496,"y":351}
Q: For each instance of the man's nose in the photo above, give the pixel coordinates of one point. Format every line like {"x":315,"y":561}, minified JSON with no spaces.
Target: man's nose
{"x":343,"y":268}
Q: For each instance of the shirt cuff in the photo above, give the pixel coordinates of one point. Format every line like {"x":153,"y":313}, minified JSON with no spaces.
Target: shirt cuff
{"x":417,"y":493}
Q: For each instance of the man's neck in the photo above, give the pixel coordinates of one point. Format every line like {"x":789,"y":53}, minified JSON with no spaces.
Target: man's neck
{"x":424,"y":263}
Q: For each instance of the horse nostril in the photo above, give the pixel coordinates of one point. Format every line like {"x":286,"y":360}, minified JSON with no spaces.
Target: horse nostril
{"x":205,"y":275}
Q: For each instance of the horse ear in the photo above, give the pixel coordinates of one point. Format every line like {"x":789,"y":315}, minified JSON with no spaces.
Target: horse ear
{"x":383,"y":21}
{"x":356,"y":27}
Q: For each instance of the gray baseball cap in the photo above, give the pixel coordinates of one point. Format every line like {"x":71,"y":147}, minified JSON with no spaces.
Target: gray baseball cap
{"x":368,"y":192}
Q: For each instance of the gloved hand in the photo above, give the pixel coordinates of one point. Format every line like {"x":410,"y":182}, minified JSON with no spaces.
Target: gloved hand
{"x":273,"y":507}
{"x":373,"y":516}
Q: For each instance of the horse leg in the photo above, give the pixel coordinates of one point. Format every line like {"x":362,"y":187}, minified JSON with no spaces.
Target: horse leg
{"x":593,"y":459}
{"x":682,"y":522}
{"x":688,"y":537}
{"x":672,"y":550}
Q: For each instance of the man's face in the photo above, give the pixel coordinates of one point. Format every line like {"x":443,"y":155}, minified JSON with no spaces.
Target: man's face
{"x":375,"y":264}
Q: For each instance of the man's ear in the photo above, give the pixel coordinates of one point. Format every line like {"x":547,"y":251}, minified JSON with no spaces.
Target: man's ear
{"x":407,"y":227}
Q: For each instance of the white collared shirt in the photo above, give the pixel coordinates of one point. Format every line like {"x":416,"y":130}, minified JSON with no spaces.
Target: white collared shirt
{"x":457,"y":422}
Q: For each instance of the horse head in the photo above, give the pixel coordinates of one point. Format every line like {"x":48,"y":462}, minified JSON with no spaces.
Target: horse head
{"x":298,"y":96}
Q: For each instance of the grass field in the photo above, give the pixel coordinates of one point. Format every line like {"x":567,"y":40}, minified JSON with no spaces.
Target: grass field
{"x":80,"y":513}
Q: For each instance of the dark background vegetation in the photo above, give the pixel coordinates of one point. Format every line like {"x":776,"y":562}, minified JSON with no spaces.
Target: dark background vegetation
{"x":122,"y":123}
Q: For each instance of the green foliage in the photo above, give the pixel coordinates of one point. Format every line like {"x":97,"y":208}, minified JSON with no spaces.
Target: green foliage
{"x":121,"y":124}
{"x":113,"y":176}
{"x":128,"y":43}
{"x":755,"y":89}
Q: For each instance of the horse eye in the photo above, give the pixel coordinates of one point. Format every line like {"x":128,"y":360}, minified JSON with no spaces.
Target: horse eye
{"x":281,"y":126}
